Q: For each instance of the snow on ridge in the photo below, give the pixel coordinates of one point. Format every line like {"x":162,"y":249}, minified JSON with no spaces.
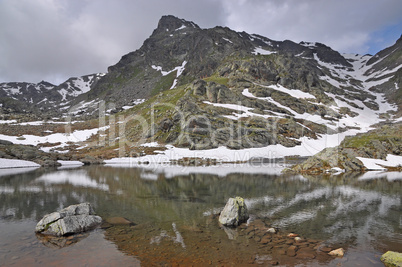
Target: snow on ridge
{"x":262,"y":39}
{"x":181,"y":28}
{"x":309,"y":44}
{"x":227,"y":40}
{"x":79,"y":83}
{"x":179,"y":69}
{"x":261,"y":51}
{"x":13,"y":91}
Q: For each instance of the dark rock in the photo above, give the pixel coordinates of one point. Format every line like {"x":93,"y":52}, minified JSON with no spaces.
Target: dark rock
{"x":5,"y":142}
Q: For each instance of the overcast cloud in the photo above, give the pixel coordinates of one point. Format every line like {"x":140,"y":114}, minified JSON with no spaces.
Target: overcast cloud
{"x":56,"y":39}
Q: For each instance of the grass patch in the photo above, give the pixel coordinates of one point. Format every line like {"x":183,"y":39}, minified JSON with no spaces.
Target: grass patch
{"x":217,"y":79}
{"x":366,"y":140}
{"x":165,"y":83}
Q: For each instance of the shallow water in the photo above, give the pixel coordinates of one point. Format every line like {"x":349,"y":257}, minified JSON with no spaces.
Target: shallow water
{"x":173,"y":210}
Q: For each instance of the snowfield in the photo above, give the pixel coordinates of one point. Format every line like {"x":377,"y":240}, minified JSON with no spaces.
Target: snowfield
{"x":374,"y":164}
{"x":63,"y":138}
{"x":16,"y":163}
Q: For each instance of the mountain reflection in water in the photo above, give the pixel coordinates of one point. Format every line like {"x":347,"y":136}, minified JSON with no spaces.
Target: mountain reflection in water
{"x":360,"y":212}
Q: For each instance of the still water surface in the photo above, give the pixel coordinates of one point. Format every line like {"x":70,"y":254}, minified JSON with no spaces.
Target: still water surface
{"x":173,"y":210}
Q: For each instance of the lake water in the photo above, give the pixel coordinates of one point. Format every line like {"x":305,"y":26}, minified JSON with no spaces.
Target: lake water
{"x":174,"y":210}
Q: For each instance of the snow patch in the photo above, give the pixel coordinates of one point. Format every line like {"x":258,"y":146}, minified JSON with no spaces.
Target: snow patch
{"x":308,"y":147}
{"x":227,"y":40}
{"x":261,"y":51}
{"x":374,"y":164}
{"x":181,"y":28}
{"x":310,"y":45}
{"x":70,"y":162}
{"x":16,"y":163}
{"x":134,"y":103}
{"x":179,"y":69}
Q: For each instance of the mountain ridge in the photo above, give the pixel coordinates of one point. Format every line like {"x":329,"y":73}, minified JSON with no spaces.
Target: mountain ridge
{"x":170,"y":25}
{"x":202,"y":89}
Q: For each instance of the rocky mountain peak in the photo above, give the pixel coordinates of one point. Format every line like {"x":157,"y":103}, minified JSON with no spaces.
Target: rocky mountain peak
{"x":169,"y":23}
{"x":45,"y":83}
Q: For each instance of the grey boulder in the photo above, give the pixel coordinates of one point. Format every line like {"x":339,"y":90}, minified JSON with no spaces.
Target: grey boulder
{"x":71,"y":220}
{"x":234,"y":213}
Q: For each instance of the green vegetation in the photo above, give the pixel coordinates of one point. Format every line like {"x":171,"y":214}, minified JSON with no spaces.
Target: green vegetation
{"x":217,"y":79}
{"x":366,"y":140}
{"x":165,"y":83}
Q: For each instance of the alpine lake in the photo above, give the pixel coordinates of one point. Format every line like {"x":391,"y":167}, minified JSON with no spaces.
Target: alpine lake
{"x":168,"y":216}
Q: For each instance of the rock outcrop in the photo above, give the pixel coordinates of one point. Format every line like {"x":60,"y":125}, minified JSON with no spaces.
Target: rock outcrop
{"x":327,"y":160}
{"x":234,"y":213}
{"x":375,"y":144}
{"x":71,"y":220}
{"x":392,"y":259}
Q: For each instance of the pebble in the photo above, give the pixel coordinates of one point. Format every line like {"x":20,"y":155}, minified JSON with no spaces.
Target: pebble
{"x":291,"y":252}
{"x":271,"y":230}
{"x":265,"y":239}
{"x":337,"y":252}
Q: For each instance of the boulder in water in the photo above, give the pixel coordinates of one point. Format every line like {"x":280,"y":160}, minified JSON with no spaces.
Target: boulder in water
{"x":391,"y":258}
{"x":234,"y":213}
{"x":71,"y":220}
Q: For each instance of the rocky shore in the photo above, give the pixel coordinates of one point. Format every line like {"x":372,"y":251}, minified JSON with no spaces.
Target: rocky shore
{"x":376,"y":144}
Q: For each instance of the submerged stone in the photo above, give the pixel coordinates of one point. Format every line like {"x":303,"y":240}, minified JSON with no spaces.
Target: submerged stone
{"x":71,"y":220}
{"x":337,"y":252}
{"x":392,"y":259}
{"x":234,"y":213}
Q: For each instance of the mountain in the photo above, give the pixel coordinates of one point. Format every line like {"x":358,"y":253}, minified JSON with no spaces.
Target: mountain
{"x":188,"y":87}
{"x":43,"y":97}
{"x":248,"y":89}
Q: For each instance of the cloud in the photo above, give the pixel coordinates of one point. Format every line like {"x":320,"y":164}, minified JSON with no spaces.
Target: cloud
{"x":56,"y":39}
{"x":345,"y":25}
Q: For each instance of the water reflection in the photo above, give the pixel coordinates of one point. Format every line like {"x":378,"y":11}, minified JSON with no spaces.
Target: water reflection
{"x":13,"y":171}
{"x":390,"y":176}
{"x":360,"y":211}
{"x":78,"y":178}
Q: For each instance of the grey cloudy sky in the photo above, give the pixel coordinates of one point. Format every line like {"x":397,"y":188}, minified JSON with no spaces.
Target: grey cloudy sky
{"x":53,"y":40}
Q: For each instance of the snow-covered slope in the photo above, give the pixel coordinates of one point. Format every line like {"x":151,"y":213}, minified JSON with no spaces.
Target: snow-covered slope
{"x":21,"y":97}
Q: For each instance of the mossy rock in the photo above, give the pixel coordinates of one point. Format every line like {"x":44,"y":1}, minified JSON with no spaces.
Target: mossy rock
{"x":392,"y":259}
